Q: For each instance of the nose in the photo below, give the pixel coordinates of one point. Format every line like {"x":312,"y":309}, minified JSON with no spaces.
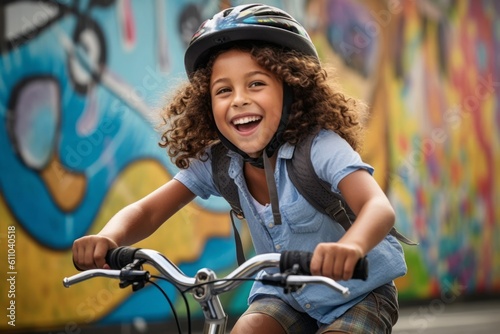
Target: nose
{"x":240,"y":98}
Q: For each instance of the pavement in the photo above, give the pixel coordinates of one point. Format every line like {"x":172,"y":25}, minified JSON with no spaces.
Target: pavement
{"x":477,"y":317}
{"x":430,"y":317}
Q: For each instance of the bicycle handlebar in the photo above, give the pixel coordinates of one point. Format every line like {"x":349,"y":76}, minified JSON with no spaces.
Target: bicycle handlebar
{"x":120,"y":257}
{"x":126,"y":264}
{"x":303,"y":260}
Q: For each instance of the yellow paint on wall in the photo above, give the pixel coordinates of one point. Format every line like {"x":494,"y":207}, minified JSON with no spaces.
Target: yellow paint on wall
{"x":43,"y":302}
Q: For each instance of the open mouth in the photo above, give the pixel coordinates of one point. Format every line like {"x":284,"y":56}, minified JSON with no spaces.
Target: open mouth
{"x":247,"y":123}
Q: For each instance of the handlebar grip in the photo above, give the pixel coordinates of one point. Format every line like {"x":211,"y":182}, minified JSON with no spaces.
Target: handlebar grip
{"x":117,"y":258}
{"x":76,"y":267}
{"x":290,"y":258}
{"x":361,"y":269}
{"x":303,"y":259}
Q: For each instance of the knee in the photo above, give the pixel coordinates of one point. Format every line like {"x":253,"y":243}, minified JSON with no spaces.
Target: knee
{"x":257,"y":323}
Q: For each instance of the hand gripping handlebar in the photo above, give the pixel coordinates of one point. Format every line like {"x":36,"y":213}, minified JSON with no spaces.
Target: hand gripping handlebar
{"x":121,"y":257}
{"x":126,"y":264}
{"x":303,"y":260}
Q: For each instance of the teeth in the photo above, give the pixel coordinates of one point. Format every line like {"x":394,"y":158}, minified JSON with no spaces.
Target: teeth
{"x":247,"y":119}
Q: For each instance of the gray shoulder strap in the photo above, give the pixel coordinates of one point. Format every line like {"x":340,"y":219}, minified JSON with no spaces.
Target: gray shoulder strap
{"x":315,"y":190}
{"x":223,"y":182}
{"x":318,"y":192}
{"x":228,"y":189}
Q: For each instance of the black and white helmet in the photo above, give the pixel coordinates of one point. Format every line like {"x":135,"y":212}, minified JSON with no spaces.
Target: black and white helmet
{"x":252,"y":22}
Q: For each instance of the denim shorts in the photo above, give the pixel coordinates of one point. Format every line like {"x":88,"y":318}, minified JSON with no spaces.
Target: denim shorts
{"x":376,"y":313}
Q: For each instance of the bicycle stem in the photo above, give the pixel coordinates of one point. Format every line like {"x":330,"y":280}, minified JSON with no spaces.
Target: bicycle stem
{"x":213,"y":311}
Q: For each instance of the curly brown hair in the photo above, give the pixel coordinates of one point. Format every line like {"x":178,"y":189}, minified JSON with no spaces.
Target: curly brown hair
{"x":317,"y":104}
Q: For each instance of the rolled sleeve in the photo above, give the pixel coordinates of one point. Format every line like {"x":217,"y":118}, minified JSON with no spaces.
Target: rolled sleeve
{"x":198,"y":178}
{"x":334,"y":167}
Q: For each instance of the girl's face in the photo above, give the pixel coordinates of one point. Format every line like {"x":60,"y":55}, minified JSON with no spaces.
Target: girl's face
{"x":247,"y":101}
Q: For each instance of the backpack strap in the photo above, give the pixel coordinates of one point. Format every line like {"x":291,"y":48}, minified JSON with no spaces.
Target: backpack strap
{"x":395,"y":233}
{"x":228,"y":189}
{"x":318,"y":192}
{"x":223,"y":182}
{"x":315,"y":190}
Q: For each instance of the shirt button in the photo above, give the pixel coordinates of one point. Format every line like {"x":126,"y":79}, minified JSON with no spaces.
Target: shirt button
{"x":271,"y":225}
{"x":278,"y":247}
{"x":308,"y":306}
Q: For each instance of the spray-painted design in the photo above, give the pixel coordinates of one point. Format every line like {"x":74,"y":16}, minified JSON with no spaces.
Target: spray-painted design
{"x":430,"y":74}
{"x":80,"y":81}
{"x":444,"y":135}
{"x":79,"y":88}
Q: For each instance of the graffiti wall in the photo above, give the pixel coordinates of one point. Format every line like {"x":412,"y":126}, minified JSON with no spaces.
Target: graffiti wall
{"x":81,"y":80}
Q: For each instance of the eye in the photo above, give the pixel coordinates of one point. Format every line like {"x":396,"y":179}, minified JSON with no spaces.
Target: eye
{"x":257,"y":83}
{"x":222,"y":90}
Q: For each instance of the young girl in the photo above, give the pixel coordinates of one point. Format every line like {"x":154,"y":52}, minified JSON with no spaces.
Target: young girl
{"x":256,"y":85}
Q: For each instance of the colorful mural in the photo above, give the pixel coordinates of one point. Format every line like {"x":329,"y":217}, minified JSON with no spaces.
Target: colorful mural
{"x":444,"y":115}
{"x":79,"y":85}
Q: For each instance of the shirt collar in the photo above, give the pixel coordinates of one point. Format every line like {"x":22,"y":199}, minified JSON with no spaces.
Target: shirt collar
{"x":285,"y":152}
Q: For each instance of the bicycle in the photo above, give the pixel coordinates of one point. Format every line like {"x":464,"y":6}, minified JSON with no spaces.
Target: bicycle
{"x":127,"y":265}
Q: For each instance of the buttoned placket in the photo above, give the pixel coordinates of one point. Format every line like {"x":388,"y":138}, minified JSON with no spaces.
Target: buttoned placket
{"x":274,"y":233}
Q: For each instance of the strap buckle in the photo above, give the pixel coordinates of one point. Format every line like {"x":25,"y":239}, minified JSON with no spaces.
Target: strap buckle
{"x":338,"y":212}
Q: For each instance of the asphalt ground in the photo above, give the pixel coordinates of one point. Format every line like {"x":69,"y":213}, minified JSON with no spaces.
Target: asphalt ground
{"x":430,"y":317}
{"x":476,"y":317}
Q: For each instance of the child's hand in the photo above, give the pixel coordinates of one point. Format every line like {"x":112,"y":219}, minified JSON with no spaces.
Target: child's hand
{"x":89,"y":252}
{"x":335,"y":260}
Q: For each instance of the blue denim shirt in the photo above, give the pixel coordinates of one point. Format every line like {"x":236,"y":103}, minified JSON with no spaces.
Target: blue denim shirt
{"x":303,"y":227}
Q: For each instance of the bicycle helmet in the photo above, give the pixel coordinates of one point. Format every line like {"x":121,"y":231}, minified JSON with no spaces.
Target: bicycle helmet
{"x":253,"y":23}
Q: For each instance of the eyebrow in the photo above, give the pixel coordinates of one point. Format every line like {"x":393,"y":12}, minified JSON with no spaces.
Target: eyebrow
{"x":247,"y":75}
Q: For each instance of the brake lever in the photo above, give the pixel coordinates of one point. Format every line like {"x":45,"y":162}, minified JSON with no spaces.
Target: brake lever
{"x":281,"y":280}
{"x":133,"y":274}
